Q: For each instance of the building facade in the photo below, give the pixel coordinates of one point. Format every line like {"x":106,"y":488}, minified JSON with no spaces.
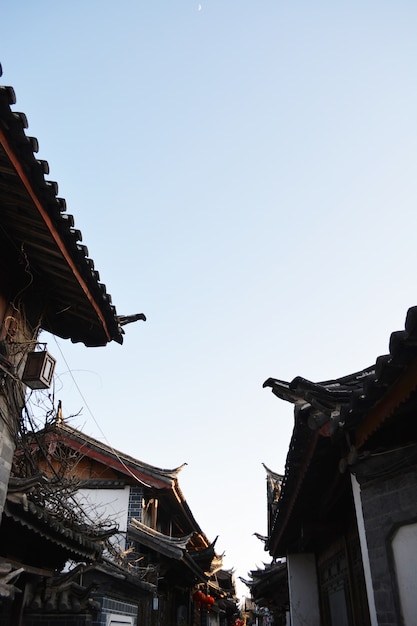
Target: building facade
{"x":47,"y":282}
{"x":346,"y":516}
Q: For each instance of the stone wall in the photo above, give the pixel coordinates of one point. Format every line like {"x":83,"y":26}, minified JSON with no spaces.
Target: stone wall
{"x":389,"y":501}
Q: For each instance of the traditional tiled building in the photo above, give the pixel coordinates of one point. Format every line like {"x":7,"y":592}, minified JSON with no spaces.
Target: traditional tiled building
{"x":56,"y":565}
{"x":157,"y":540}
{"x":47,"y":282}
{"x":346,"y":517}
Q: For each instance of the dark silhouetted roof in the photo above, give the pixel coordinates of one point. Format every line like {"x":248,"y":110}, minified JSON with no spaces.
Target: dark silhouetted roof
{"x":351,"y":411}
{"x":40,"y":248}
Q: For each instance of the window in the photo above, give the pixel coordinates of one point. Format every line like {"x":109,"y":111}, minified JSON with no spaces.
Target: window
{"x":119,"y":620}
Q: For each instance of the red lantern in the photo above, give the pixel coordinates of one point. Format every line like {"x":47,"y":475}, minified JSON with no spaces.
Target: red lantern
{"x":209,"y":602}
{"x":198,"y":598}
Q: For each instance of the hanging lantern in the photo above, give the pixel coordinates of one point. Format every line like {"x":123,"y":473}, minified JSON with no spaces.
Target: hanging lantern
{"x":39,"y":369}
{"x":198,"y":598}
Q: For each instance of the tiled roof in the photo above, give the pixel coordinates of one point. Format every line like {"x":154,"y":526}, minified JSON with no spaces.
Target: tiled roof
{"x":42,"y":251}
{"x":269,"y":586}
{"x":317,"y":404}
{"x":133,"y":469}
{"x":41,"y":523}
{"x":353,"y":408}
{"x":173,"y":547}
{"x":147,"y":474}
{"x":342,"y":403}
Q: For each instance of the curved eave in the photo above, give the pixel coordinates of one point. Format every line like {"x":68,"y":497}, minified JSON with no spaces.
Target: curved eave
{"x":40,"y":523}
{"x":59,"y":278}
{"x":149,"y":475}
{"x":113,"y":461}
{"x":173,"y":547}
{"x":367,"y":401}
{"x":274,"y":476}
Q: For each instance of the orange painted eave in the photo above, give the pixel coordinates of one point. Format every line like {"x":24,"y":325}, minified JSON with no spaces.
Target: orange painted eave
{"x":14,"y":160}
{"x":112,"y":461}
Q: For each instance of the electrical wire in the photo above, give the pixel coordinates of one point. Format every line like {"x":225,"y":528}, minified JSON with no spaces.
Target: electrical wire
{"x":141,"y":482}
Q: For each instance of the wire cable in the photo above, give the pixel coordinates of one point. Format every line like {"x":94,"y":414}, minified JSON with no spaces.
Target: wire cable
{"x":141,"y":482}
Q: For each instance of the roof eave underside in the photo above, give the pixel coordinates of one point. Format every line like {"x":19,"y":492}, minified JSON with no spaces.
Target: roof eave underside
{"x":73,"y":303}
{"x":41,"y":523}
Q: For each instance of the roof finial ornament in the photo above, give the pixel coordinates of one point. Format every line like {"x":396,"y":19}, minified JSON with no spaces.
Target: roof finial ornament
{"x":127,"y":319}
{"x":59,"y":414}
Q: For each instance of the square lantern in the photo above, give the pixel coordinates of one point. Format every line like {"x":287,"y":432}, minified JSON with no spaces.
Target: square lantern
{"x":39,"y":370}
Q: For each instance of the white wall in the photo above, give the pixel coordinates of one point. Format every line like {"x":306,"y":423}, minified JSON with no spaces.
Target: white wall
{"x":303,"y":587}
{"x":107,"y":504}
{"x":404,"y":547}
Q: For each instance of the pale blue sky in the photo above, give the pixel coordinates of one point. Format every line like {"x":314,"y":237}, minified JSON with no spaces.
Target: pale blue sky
{"x":244,"y":173}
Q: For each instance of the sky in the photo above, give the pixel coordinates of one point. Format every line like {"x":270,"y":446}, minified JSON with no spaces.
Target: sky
{"x":244,"y":173}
